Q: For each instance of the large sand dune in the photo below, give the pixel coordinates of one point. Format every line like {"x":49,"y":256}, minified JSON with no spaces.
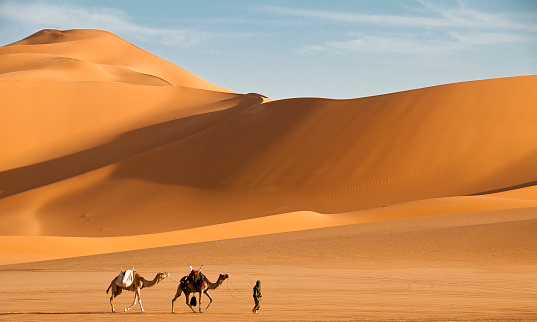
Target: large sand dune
{"x":108,"y":148}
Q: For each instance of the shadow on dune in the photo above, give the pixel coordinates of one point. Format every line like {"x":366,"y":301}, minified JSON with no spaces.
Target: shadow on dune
{"x":214,"y":157}
{"x":518,"y":186}
{"x":195,"y":176}
{"x":125,"y":146}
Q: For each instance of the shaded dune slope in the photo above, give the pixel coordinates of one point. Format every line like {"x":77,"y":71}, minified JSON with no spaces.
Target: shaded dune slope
{"x":107,"y":136}
{"x":120,"y":147}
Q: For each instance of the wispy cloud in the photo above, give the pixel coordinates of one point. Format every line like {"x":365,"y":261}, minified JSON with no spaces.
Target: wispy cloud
{"x":461,"y":16}
{"x":45,"y":15}
{"x":486,"y":38}
{"x":408,"y":43}
{"x":454,"y":28}
{"x":379,"y":20}
{"x":434,"y":17}
{"x":401,"y":43}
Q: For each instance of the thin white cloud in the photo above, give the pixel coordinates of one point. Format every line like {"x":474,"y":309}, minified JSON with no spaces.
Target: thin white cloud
{"x":413,"y":44}
{"x":487,"y":38}
{"x":455,"y":28}
{"x":379,"y":20}
{"x":464,"y":17}
{"x":405,"y":45}
{"x":435,"y":17}
{"x":400,"y":44}
{"x":45,"y":15}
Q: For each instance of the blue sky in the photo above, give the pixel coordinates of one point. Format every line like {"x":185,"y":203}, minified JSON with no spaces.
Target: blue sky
{"x":319,"y":48}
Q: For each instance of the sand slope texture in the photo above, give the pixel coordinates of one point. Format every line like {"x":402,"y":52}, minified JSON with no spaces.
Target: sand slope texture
{"x":424,"y":202}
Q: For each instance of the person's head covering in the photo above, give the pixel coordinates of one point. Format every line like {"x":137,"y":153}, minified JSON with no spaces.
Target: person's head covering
{"x":258,"y":282}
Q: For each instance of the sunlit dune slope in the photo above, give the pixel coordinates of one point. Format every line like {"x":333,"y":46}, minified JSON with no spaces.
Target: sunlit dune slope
{"x":95,"y":54}
{"x":68,"y":91}
{"x":120,"y":142}
{"x":482,"y":238}
{"x":50,"y":67}
{"x":519,"y":205}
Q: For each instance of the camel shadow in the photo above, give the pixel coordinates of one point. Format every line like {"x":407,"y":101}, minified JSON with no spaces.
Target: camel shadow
{"x":52,"y":313}
{"x":87,"y":313}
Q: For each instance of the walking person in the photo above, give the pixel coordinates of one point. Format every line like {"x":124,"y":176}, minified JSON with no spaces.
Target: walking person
{"x":257,"y":297}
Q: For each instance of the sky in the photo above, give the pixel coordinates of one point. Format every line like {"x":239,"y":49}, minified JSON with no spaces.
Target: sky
{"x":314,"y":48}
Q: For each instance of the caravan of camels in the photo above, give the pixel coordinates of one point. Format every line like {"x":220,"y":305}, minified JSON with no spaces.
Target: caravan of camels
{"x":195,"y":282}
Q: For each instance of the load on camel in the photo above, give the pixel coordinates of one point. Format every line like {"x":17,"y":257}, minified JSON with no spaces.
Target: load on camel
{"x":196,"y":282}
{"x":131,"y":281}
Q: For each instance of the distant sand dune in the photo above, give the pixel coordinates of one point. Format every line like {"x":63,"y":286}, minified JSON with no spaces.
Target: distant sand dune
{"x":104,"y":48}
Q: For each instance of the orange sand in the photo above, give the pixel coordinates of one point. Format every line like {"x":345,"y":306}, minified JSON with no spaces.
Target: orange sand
{"x":119,"y":150}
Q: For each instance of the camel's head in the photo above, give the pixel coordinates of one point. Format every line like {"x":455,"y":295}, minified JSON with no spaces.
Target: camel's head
{"x":223,"y":277}
{"x":162,"y":275}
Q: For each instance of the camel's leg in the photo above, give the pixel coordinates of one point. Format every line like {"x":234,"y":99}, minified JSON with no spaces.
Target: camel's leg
{"x":112,"y":302}
{"x":115,"y":293}
{"x":177,"y":294}
{"x":200,"y":302}
{"x":210,"y":299}
{"x":112,"y":298}
{"x":187,"y":297}
{"x":140,"y":300}
{"x":133,"y":303}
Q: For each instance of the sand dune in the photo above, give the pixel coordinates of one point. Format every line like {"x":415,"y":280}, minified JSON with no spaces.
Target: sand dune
{"x":88,"y":146}
{"x":118,"y":150}
{"x":22,"y":242}
{"x":251,"y":160}
{"x":48,"y":68}
{"x":69,"y":97}
{"x":96,"y":49}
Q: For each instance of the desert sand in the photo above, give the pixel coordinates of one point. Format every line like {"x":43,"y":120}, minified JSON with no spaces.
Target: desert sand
{"x":416,"y":205}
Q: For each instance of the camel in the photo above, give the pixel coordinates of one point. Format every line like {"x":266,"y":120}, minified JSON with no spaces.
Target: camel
{"x":205,"y":287}
{"x":138,"y":283}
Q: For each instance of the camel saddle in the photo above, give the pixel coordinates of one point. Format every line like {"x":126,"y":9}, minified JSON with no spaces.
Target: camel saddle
{"x":125,"y":278}
{"x":196,"y":278}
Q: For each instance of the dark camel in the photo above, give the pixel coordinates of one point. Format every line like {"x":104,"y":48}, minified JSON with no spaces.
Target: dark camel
{"x":205,"y":287}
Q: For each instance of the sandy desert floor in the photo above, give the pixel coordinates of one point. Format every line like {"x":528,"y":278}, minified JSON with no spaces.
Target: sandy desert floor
{"x":470,"y":266}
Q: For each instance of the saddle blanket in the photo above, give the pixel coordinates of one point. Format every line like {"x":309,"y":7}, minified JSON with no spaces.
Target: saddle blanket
{"x":196,"y":278}
{"x":125,"y":278}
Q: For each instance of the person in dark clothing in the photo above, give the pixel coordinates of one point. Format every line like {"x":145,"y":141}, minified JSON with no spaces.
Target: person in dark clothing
{"x":257,"y":297}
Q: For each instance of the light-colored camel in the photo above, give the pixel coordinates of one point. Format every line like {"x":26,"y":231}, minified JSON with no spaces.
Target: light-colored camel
{"x":191,"y":289}
{"x":137,"y":284}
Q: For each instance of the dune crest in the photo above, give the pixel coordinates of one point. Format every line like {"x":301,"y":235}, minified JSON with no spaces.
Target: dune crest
{"x":54,"y":36}
{"x":99,"y":49}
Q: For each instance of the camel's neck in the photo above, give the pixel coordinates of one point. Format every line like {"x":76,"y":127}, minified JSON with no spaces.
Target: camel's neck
{"x":147,"y":283}
{"x":212,"y":286}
